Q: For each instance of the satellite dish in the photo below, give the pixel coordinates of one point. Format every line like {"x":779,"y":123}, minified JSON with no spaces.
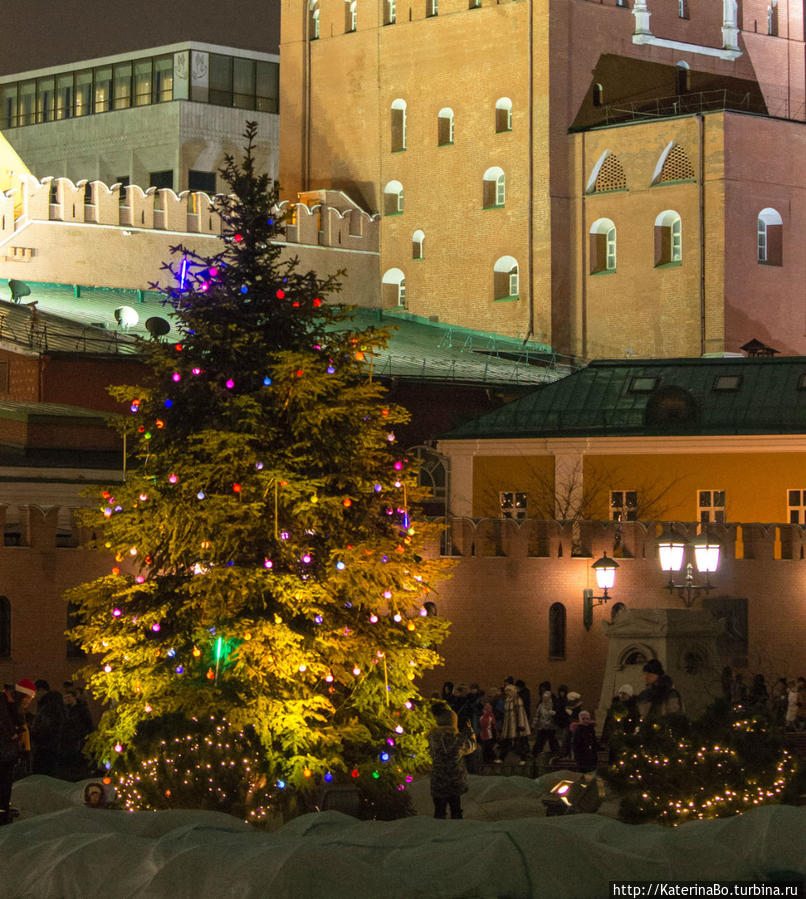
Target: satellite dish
{"x":126,"y":317}
{"x":157,"y":327}
{"x":19,"y":289}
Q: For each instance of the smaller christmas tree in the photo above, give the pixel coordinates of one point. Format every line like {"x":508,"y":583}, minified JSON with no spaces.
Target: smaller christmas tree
{"x":674,"y":770}
{"x":263,"y":625}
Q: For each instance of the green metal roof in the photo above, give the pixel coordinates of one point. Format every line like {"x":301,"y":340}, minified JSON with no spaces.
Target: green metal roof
{"x":655,"y":397}
{"x":78,"y":319}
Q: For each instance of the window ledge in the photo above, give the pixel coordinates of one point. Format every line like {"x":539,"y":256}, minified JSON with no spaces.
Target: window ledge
{"x":503,"y":131}
{"x":674,"y":181}
{"x":399,"y":150}
{"x":670,"y":264}
{"x":502,"y":206}
{"x":604,"y":271}
{"x":772,"y":264}
{"x":388,"y":215}
{"x":615,"y":190}
{"x":447,"y":143}
{"x":506,"y":299}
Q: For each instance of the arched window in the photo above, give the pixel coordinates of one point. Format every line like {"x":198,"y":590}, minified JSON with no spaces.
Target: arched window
{"x":445,"y":127}
{"x":389,"y":12}
{"x":417,"y":244}
{"x":598,"y":95}
{"x":495,"y":188}
{"x":398,"y":125}
{"x":394,"y":288}
{"x":668,"y":238}
{"x":505,"y":278}
{"x":74,"y":618}
{"x":557,"y":631}
{"x":350,"y":19}
{"x":682,"y":76}
{"x":393,"y":198}
{"x":770,"y":237}
{"x":5,"y":627}
{"x":602,"y":246}
{"x":503,"y":114}
{"x":313,"y":24}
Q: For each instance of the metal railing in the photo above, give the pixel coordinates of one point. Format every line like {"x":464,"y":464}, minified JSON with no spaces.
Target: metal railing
{"x":682,"y":104}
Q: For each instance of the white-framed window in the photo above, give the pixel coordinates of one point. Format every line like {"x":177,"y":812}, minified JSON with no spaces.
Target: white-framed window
{"x":623,"y":505}
{"x":314,"y":20}
{"x":393,"y":198}
{"x":602,"y":246}
{"x":350,"y":15}
{"x":796,"y":506}
{"x":390,"y":12}
{"x":474,"y":4}
{"x":668,"y":238}
{"x":513,"y":504}
{"x":394,"y":288}
{"x":682,"y":75}
{"x":503,"y":115}
{"x":417,"y":240}
{"x":682,"y":9}
{"x":711,"y":505}
{"x":770,"y":237}
{"x":505,"y":278}
{"x":494,"y":193}
{"x":431,"y":8}
{"x":398,"y":125}
{"x":445,"y":127}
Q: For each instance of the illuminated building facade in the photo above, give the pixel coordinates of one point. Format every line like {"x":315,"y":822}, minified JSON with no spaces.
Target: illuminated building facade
{"x":594,"y":176}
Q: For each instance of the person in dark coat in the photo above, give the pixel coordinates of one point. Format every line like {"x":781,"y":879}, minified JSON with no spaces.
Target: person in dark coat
{"x":77,"y":727}
{"x":46,"y":729}
{"x":659,"y":697}
{"x":13,"y":738}
{"x":448,"y":773}
{"x":583,"y":741}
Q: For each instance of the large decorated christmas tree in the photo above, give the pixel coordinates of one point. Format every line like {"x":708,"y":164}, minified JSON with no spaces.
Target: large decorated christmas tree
{"x":263,"y":625}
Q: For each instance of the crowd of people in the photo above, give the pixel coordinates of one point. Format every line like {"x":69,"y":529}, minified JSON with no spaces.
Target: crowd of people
{"x":474,"y":726}
{"x":784,"y":702}
{"x":45,"y":739}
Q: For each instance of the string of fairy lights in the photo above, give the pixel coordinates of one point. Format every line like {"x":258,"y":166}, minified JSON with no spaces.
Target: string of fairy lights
{"x":697,"y":779}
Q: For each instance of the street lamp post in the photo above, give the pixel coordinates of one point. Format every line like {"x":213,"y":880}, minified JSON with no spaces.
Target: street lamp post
{"x":605,"y":570}
{"x":672,"y":552}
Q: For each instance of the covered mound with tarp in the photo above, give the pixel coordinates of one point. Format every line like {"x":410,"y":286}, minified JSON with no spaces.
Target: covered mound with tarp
{"x":59,"y":849}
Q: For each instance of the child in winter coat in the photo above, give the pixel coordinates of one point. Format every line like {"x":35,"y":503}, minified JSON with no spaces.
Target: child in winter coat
{"x":488,"y":732}
{"x":448,"y":748}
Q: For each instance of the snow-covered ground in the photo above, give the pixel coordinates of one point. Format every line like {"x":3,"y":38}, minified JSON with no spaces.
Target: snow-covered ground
{"x":505,"y":847}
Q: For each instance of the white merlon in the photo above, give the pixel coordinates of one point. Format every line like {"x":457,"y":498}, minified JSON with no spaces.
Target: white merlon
{"x":730,"y":33}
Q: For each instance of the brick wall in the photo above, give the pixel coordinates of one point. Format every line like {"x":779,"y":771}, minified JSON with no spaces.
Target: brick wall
{"x":507,"y":577}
